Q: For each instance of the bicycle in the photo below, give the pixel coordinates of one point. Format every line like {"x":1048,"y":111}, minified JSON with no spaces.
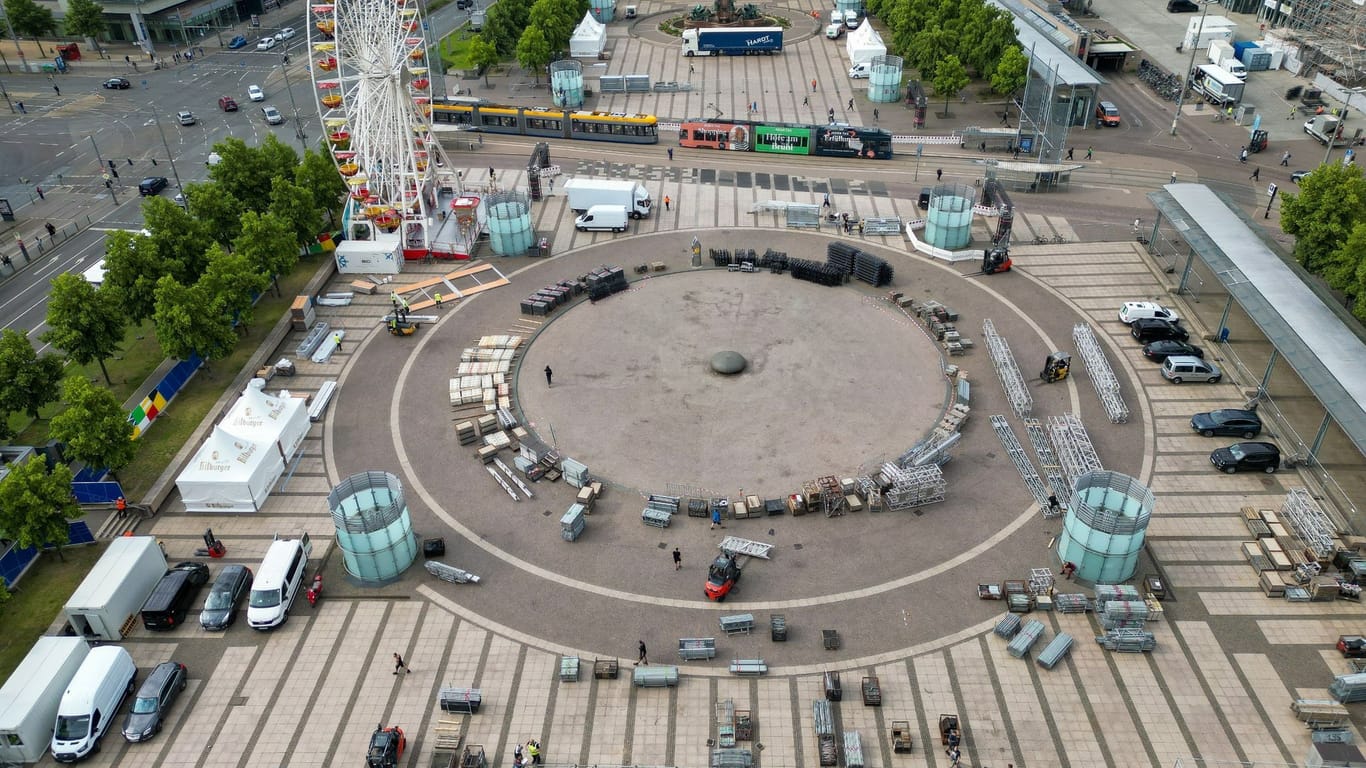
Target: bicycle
{"x":1059,"y":240}
{"x":1041,"y":239}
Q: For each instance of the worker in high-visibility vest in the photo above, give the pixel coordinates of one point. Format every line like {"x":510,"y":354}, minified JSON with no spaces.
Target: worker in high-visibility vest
{"x":438,"y":299}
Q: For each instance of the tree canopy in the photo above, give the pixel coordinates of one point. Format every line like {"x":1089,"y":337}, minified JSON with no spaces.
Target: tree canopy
{"x":503,"y":24}
{"x":28,"y":381}
{"x":83,"y":321}
{"x":533,"y":51}
{"x":192,"y":320}
{"x":1328,"y":219}
{"x":29,"y":19}
{"x":318,"y":176}
{"x":949,"y":78}
{"x":35,"y":504}
{"x":94,"y":426}
{"x":84,"y":18}
{"x":924,"y":32}
{"x":483,"y":55}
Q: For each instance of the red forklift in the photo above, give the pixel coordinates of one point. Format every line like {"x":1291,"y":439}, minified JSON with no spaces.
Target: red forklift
{"x":721,"y":576}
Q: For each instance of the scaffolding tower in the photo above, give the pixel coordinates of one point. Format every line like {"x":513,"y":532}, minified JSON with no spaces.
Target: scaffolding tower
{"x":914,"y":487}
{"x":1022,"y":463}
{"x":1102,"y":375}
{"x":1072,"y":444}
{"x":1048,"y":462}
{"x":1016,"y":391}
{"x":1331,"y":34}
{"x":832,"y":496}
{"x":1041,"y":581}
{"x":1309,"y":522}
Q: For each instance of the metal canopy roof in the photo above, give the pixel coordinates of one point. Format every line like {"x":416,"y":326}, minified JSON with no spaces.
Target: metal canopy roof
{"x":1326,"y":354}
{"x":1048,"y":49}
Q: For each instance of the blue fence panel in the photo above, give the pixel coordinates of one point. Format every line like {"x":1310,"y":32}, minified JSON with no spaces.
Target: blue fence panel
{"x":79,"y":532}
{"x":13,"y":563}
{"x":96,"y":492}
{"x":183,"y":371}
{"x":89,"y":475}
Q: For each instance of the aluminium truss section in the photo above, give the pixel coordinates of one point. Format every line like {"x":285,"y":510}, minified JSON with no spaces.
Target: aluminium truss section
{"x":1022,"y":463}
{"x":1016,"y":391}
{"x":1308,"y":520}
{"x":1048,"y":462}
{"x":1102,"y":375}
{"x":1076,"y":453}
{"x":913,"y":487}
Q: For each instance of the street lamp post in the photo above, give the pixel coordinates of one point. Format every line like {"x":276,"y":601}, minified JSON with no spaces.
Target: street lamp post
{"x":169,"y":157}
{"x":1342,"y":123}
{"x":298,"y":127}
{"x":1185,"y":79}
{"x":104,"y":171}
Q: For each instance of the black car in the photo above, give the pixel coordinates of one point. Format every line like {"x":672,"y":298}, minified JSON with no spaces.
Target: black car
{"x":154,"y":699}
{"x":1160,"y":350}
{"x":1182,"y":6}
{"x":152,"y":185}
{"x":199,"y":572}
{"x":1157,"y":330}
{"x":1253,"y":457}
{"x":117,"y":84}
{"x":1228,"y":422}
{"x":225,"y":596}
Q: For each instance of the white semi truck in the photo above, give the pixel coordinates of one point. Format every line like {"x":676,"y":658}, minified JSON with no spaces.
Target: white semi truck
{"x":631,"y":195}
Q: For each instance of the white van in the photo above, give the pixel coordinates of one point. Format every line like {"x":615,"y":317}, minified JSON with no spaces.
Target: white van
{"x":92,"y":702}
{"x":861,"y":71}
{"x":834,"y":31}
{"x":836,"y":17}
{"x":278,"y":581}
{"x":851,"y":19}
{"x":602,"y":218}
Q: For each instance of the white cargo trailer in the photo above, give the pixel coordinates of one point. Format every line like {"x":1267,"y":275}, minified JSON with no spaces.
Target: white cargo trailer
{"x":586,"y":193}
{"x":106,"y":604}
{"x":30,"y":697}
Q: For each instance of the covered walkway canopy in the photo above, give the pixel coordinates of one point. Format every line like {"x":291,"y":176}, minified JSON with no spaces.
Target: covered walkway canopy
{"x":1314,"y":336}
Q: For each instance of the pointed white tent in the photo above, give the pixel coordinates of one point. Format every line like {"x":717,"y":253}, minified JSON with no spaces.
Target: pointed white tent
{"x":281,"y":421}
{"x":230,"y":474}
{"x":589,"y":38}
{"x":864,"y":44}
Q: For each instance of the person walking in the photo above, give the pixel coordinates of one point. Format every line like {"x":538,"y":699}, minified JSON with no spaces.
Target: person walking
{"x":1256,"y":172}
{"x":1242,"y":155}
{"x":437,"y":298}
{"x":548,"y":374}
{"x":1173,"y":181}
{"x":716,"y":518}
{"x":533,"y":750}
{"x":336,"y":339}
{"x":1285,"y":159}
{"x":678,"y":559}
{"x":826,"y":204}
{"x":20,"y":105}
{"x":1069,"y":152}
{"x":1088,"y":153}
{"x":806,"y":101}
{"x":51,"y":230}
{"x":813,"y":85}
{"x":1293,"y":111}
{"x":671,"y":154}
{"x":643,"y":659}
{"x":691,"y":69}
{"x":400,"y":664}
{"x":666,"y":202}
{"x":1053,"y":505}
{"x":851,"y":105}
{"x":938,"y":174}
{"x":58,"y":90}
{"x":517,"y":756}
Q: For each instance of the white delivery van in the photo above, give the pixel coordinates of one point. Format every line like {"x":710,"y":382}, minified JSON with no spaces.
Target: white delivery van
{"x":278,"y":581}
{"x":602,"y":218}
{"x":851,"y":19}
{"x":836,"y":17}
{"x":91,"y":702}
{"x":834,"y":31}
{"x":861,"y":71}
{"x":30,"y":697}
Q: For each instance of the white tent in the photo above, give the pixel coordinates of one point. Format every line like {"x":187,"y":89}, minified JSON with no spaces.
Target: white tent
{"x":230,"y":474}
{"x":864,"y":44}
{"x":269,"y":420}
{"x":589,"y":38}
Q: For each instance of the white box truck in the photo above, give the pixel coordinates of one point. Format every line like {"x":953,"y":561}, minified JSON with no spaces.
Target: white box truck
{"x":115,"y":589}
{"x":586,"y":193}
{"x":30,"y":697}
{"x":1200,"y":33}
{"x":1221,"y":54}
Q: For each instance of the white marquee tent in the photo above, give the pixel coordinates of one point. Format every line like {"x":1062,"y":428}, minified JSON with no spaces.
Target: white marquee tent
{"x":238,"y":465}
{"x":864,"y":44}
{"x":589,"y":38}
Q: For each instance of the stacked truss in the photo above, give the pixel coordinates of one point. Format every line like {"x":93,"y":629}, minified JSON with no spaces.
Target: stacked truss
{"x":914,"y":487}
{"x":1020,"y":400}
{"x":1071,"y":442}
{"x":1309,"y":522}
{"x":1102,"y":376}
{"x":1022,"y":463}
{"x":1049,"y":464}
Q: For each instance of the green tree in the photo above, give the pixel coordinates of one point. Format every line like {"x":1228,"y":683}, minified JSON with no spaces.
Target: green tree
{"x":191,"y":320}
{"x":503,"y":24}
{"x":1322,"y":214}
{"x":533,"y":51}
{"x":218,"y":212}
{"x":35,"y":504}
{"x":234,"y":279}
{"x":483,"y":55}
{"x":268,"y":246}
{"x":1347,"y":272}
{"x":318,"y":175}
{"x":94,"y":426}
{"x":930,"y":48}
{"x":556,"y":19}
{"x":28,"y":381}
{"x":294,"y":205}
{"x":246,"y":171}
{"x":1011,"y":73}
{"x":84,"y":18}
{"x":179,"y":238}
{"x":949,"y":78}
{"x":29,"y":19}
{"x":132,"y":266}
{"x":85,"y":322}
{"x":280,"y":160}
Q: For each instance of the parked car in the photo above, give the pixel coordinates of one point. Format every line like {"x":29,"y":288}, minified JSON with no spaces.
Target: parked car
{"x":237,"y":42}
{"x":227,"y":104}
{"x":1182,"y":6}
{"x":1157,"y":351}
{"x":225,"y":597}
{"x":285,"y":33}
{"x":152,"y":185}
{"x":1179,"y":368}
{"x":117,"y":84}
{"x":154,"y":699}
{"x":273,"y":116}
{"x":834,"y":31}
{"x":1146,"y":310}
{"x":266,"y":44}
{"x":186,"y":117}
{"x":255,"y":93}
{"x":1352,"y":646}
{"x":1253,"y":457}
{"x":1107,"y":114}
{"x":1157,"y":330}
{"x":1228,"y":422}
{"x":1295,"y":177}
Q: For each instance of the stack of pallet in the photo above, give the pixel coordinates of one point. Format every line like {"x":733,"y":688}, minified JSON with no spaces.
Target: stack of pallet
{"x":871,"y":269}
{"x":1320,"y":713}
{"x":465,"y":434}
{"x":1349,"y":689}
{"x":1071,"y":602}
{"x":575,"y":474}
{"x":1121,"y":592}
{"x":824,"y":726}
{"x":816,"y":272}
{"x":1128,"y":640}
{"x":1029,"y":633}
{"x":569,"y":669}
{"x":1123,"y":614}
{"x":1007,"y":626}
{"x":853,"y":750}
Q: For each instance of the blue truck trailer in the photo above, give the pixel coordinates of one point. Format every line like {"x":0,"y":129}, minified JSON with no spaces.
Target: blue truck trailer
{"x":745,"y":41}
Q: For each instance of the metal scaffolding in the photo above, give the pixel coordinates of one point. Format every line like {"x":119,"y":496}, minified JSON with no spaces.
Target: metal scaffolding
{"x":1331,"y":33}
{"x":913,"y":487}
{"x":1071,"y":442}
{"x":1048,"y":462}
{"x":832,"y":496}
{"x":1309,"y":522}
{"x":1102,"y":376}
{"x":1022,"y":463}
{"x":1016,"y":391}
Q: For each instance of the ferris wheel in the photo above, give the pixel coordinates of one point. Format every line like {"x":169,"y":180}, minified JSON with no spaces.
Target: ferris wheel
{"x":372,"y":79}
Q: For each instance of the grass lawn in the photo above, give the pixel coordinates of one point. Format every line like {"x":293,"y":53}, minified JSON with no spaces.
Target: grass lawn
{"x":455,"y":49}
{"x":40,"y":597}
